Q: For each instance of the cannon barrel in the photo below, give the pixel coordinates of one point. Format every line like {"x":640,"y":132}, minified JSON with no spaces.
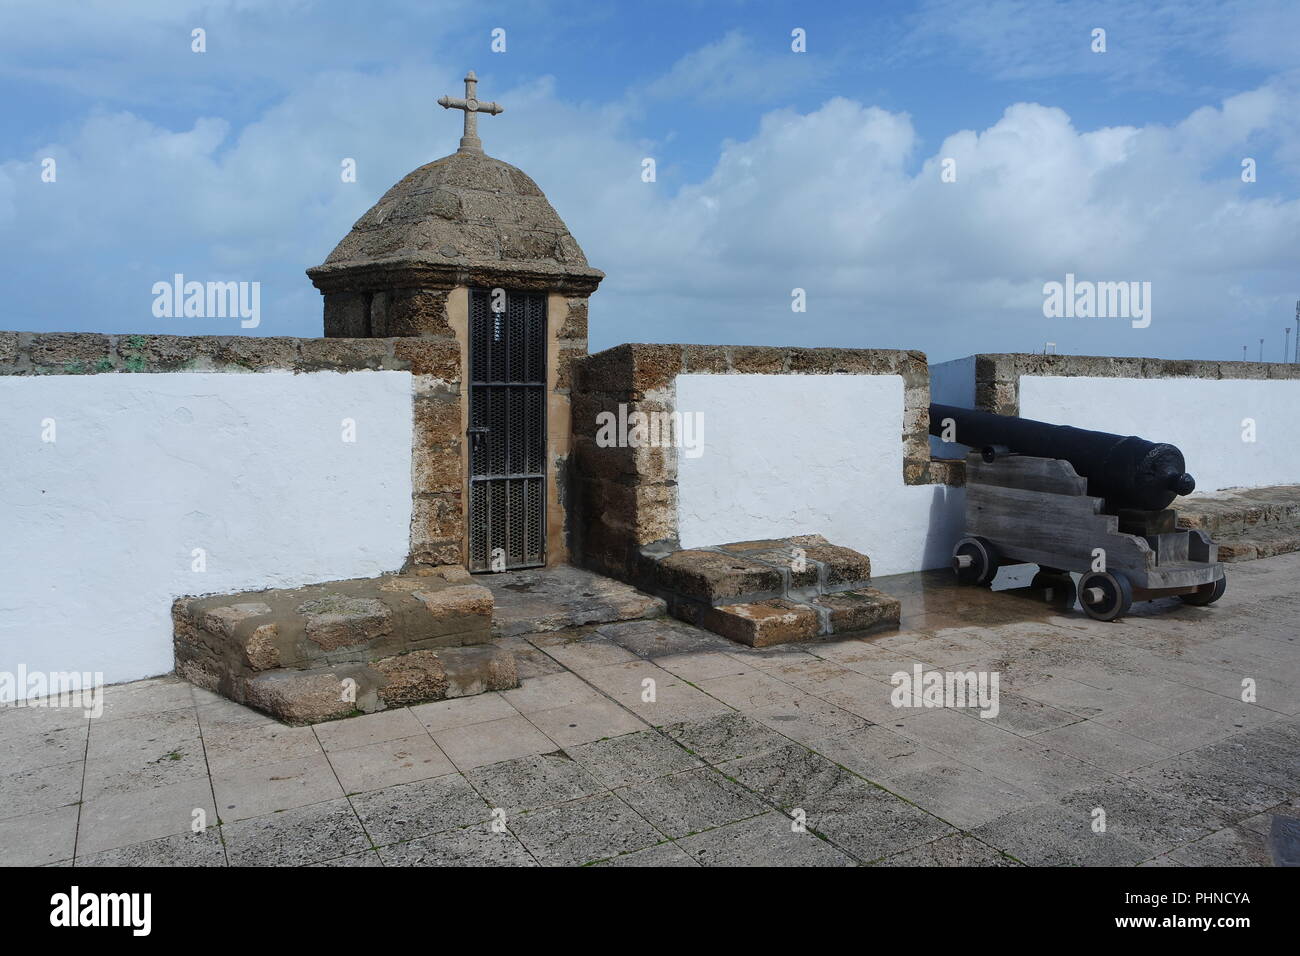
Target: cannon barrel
{"x":1129,"y":472}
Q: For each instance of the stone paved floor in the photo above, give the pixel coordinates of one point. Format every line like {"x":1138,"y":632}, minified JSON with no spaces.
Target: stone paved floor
{"x":1142,"y":720}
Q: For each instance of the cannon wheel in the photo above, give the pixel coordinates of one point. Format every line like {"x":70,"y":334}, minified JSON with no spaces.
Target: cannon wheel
{"x":1063,"y":591}
{"x":975,"y":560}
{"x":1105,"y":595}
{"x":1206,"y":593}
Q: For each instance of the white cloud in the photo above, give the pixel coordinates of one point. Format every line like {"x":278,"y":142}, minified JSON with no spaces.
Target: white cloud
{"x":734,"y":69}
{"x":839,"y":200}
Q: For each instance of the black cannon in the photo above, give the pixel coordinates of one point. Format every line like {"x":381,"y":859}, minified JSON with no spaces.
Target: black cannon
{"x":1073,"y":500}
{"x":1127,"y":471}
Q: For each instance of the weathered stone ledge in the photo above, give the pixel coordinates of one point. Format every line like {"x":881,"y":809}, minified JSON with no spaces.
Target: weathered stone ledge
{"x":90,"y":353}
{"x":997,"y":375}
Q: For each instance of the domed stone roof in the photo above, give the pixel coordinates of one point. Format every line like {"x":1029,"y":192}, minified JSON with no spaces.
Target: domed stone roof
{"x":465,"y":218}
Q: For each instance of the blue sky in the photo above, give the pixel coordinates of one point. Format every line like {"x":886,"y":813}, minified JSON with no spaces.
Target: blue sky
{"x":776,"y":170}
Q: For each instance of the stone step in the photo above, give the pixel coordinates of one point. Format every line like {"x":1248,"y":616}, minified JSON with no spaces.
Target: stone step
{"x":308,"y":696}
{"x":754,"y":571}
{"x":777,"y":591}
{"x":397,"y":638}
{"x":1246,"y":523}
{"x":1241,"y":510}
{"x":1263,"y":542}
{"x":864,"y":610}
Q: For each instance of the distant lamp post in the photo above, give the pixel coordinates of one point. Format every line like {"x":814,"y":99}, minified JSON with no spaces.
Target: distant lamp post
{"x":1261,"y":350}
{"x":1297,"y":330}
{"x":1286,"y":343}
{"x":1243,"y":353}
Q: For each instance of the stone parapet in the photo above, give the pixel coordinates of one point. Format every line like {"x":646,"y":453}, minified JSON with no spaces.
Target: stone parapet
{"x":626,"y":497}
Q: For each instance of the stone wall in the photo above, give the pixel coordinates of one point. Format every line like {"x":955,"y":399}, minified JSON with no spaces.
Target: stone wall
{"x":997,"y":376}
{"x":437,"y":526}
{"x":625,"y":498}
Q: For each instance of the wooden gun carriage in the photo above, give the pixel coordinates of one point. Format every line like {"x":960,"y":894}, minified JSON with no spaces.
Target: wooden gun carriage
{"x":1028,"y":509}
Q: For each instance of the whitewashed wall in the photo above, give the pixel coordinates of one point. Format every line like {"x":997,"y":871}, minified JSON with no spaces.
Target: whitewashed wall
{"x":1201,"y":416}
{"x":101,"y":523}
{"x":802,"y":454}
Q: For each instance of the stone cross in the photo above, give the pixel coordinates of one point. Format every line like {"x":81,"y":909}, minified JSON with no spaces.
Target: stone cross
{"x":470,"y":143}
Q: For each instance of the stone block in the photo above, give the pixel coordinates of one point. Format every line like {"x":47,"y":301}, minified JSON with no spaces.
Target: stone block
{"x":758,"y":360}
{"x":429,"y":357}
{"x":256,"y":352}
{"x":416,"y":312}
{"x":436,"y":517}
{"x":72,"y":353}
{"x":341,"y":353}
{"x":866,"y":609}
{"x":412,"y":678}
{"x":762,"y":623}
{"x":843,"y":566}
{"x":575,"y":320}
{"x":714,"y":578}
{"x":336,"y":620}
{"x":345,"y":315}
{"x":8,"y":348}
{"x":308,"y":697}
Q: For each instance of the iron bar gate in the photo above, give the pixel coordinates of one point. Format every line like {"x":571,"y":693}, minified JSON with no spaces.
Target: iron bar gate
{"x":507,"y":430}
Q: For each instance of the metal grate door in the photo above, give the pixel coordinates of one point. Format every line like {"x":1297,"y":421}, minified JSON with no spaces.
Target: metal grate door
{"x":507,"y":433}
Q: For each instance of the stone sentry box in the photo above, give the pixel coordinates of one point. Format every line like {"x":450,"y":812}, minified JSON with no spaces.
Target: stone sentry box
{"x":466,"y":221}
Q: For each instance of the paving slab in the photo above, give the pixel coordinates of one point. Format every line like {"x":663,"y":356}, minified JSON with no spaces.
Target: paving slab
{"x":476,"y":845}
{"x":389,"y":762}
{"x":43,"y":748}
{"x":529,"y":783}
{"x":181,"y":849}
{"x":879,"y":754}
{"x":40,"y":788}
{"x":664,"y":637}
{"x":477,"y":745}
{"x":664,"y":854}
{"x":462,"y":712}
{"x":266,"y":788}
{"x":122,"y":819}
{"x":809,"y":719}
{"x":1232,"y":846}
{"x":725,"y":737}
{"x":961,"y":795}
{"x":410,"y":810}
{"x":1157,"y":821}
{"x":551,"y":599}
{"x":232,"y":746}
{"x":296,"y":837}
{"x":633,"y":758}
{"x":1209,"y":785}
{"x":368,"y":729}
{"x":40,"y":838}
{"x":1110,"y":750}
{"x":364,"y":858}
{"x":549,"y":691}
{"x":670,"y":702}
{"x":684,"y":803}
{"x":584,"y":831}
{"x":768,"y":840}
{"x":1046,"y":834}
{"x":957,"y":849}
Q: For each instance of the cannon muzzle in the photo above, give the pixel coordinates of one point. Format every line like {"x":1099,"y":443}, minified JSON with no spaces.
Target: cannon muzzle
{"x":1129,"y":472}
